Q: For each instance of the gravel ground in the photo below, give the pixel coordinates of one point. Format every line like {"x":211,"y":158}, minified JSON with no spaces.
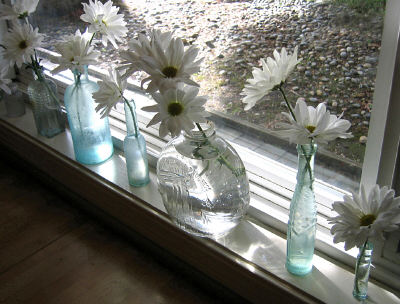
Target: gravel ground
{"x":339,"y":50}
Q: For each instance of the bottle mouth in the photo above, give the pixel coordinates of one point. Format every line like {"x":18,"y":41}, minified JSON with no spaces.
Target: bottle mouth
{"x":206,"y":130}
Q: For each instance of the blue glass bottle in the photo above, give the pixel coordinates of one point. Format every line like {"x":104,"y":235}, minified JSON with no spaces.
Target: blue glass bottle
{"x":90,"y":133}
{"x":135,"y":149}
{"x":303,"y":215}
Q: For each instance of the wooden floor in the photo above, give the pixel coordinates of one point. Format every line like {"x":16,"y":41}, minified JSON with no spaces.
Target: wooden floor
{"x":51,"y":252}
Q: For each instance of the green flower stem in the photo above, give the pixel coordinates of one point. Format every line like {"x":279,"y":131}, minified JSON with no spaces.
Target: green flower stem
{"x":287,"y":102}
{"x":308,"y":159}
{"x":221,"y":158}
{"x":91,"y":39}
{"x":133,"y":116}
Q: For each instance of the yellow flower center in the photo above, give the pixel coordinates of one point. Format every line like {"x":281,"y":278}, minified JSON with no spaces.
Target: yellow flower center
{"x":310,"y":128}
{"x":105,"y":23}
{"x":175,"y":108}
{"x":170,"y":71}
{"x":367,"y":219}
{"x":23,"y":45}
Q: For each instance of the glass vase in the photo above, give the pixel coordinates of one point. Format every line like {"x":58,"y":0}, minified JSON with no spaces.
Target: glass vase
{"x":46,"y":106}
{"x":90,"y":133}
{"x":15,"y":103}
{"x":135,"y":149}
{"x":363,"y":266}
{"x":303,"y":215}
{"x":203,"y":183}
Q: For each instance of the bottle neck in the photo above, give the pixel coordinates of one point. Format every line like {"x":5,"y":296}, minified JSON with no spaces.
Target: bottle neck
{"x":81,"y":75}
{"x":305,"y":172}
{"x":38,"y":75}
{"x":202,"y":132}
{"x":132,"y":127}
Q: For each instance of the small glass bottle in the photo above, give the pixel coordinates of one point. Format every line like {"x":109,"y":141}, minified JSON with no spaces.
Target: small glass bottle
{"x":363,"y":265}
{"x":15,"y":103}
{"x":90,"y":133}
{"x":46,"y":106}
{"x":135,"y":149}
{"x":303,"y":215}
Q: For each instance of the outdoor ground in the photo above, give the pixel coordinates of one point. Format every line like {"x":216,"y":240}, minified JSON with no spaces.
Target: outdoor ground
{"x":339,"y":48}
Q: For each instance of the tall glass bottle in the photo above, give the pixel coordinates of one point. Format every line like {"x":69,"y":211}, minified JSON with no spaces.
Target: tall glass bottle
{"x":363,"y":266}
{"x":303,"y":215}
{"x":46,"y":106}
{"x":135,"y":149}
{"x":90,"y":133}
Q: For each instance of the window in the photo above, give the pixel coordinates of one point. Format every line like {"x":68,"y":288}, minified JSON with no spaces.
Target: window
{"x":340,"y":50}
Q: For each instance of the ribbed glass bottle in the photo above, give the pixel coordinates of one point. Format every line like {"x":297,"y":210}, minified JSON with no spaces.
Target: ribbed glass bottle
{"x":363,"y":266}
{"x":90,"y":133}
{"x":135,"y":149}
{"x":203,"y":183}
{"x":46,"y":106}
{"x":303,"y":215}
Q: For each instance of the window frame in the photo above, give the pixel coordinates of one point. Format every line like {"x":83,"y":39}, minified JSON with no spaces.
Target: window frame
{"x":380,"y":165}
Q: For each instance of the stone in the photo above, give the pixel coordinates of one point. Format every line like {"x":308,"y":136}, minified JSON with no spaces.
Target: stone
{"x":343,"y":54}
{"x":210,"y":44}
{"x":363,"y":139}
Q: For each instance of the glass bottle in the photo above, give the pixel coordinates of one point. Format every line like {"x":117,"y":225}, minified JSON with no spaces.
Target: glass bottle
{"x":46,"y":106}
{"x":90,"y":133}
{"x":203,"y":183}
{"x":135,"y":149}
{"x":303,"y":215}
{"x":363,"y":266}
{"x":15,"y":103}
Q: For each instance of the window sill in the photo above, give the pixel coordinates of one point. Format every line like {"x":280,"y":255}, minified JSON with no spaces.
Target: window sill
{"x":250,"y":260}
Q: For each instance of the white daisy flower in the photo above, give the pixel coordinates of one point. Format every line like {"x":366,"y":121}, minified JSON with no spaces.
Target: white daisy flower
{"x":315,"y":124}
{"x":143,"y":46}
{"x":177,"y":109}
{"x":76,"y":52}
{"x":20,"y":9}
{"x":104,"y":19}
{"x":363,"y":217}
{"x":4,"y":80}
{"x":166,"y":61}
{"x":20,"y":43}
{"x":273,"y":73}
{"x":111,"y":92}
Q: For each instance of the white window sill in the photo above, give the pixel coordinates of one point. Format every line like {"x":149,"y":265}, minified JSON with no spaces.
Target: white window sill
{"x":250,"y":260}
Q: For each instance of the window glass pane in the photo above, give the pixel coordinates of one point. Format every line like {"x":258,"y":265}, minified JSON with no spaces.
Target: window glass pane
{"x":339,"y":43}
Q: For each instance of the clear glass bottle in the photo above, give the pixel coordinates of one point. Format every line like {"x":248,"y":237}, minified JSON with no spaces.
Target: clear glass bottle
{"x":135,"y":149}
{"x":46,"y":106}
{"x":363,"y":266}
{"x":15,"y":103}
{"x":203,"y":183}
{"x":303,"y":215}
{"x":90,"y":133}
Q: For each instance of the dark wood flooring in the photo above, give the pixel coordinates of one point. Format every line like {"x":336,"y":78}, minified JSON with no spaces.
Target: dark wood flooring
{"x":51,"y":252}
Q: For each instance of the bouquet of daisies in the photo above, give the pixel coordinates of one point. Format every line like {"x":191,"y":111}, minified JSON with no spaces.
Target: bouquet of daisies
{"x":20,"y":43}
{"x":306,"y":124}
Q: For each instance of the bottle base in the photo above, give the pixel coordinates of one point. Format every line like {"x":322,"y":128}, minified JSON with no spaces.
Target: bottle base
{"x":359,"y":296}
{"x":139,"y":183}
{"x":298,"y":270}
